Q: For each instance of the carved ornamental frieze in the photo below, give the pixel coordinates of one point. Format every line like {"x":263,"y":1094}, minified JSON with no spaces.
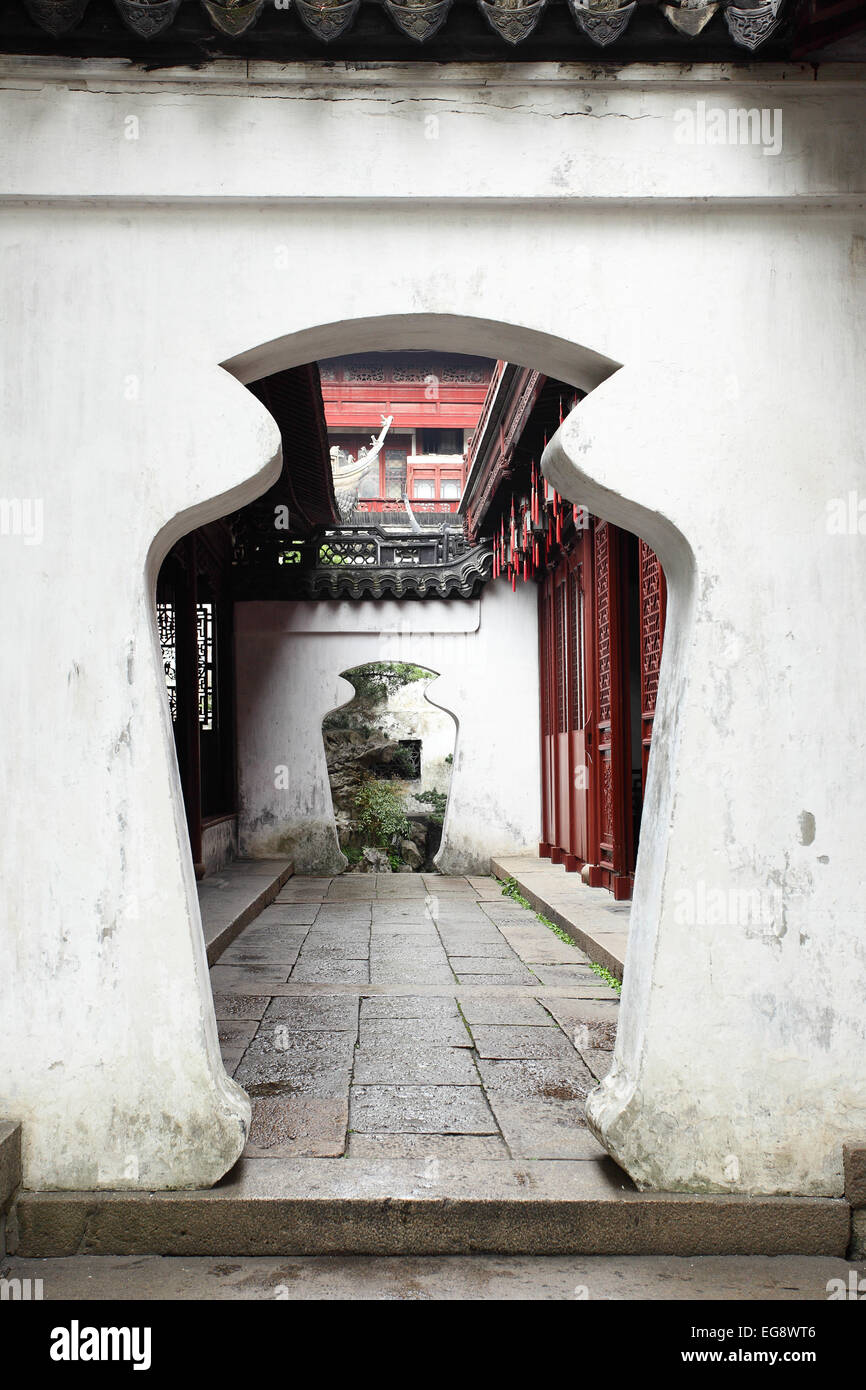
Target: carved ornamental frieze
{"x":603,"y":22}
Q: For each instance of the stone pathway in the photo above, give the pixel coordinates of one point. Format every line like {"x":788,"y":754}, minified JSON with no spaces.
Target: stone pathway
{"x":397,"y":1016}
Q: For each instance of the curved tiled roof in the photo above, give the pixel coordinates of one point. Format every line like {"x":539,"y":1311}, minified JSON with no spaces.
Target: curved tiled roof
{"x":601,"y":24}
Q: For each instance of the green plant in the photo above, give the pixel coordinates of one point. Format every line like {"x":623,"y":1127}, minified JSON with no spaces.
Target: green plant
{"x":353,"y":854}
{"x":438,"y":800}
{"x":381,"y":810}
{"x":604,"y":974}
{"x":379,"y":679}
{"x":449,"y":758}
{"x":394,"y":860}
{"x":405,"y":763}
{"x":511,"y":890}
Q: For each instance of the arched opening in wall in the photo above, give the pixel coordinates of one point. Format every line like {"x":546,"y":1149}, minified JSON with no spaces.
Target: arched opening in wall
{"x":395,"y":538}
{"x":389,"y":753}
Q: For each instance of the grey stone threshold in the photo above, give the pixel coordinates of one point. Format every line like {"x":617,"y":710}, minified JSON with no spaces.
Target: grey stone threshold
{"x":271,"y":1206}
{"x":233,"y":896}
{"x":590,"y":916}
{"x":314,"y":987}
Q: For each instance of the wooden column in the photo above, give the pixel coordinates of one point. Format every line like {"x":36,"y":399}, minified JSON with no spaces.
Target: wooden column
{"x":187,"y":700}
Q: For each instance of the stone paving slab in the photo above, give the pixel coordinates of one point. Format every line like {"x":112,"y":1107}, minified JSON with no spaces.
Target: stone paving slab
{"x":410,"y":975}
{"x":350,"y":949}
{"x":414,"y":1062}
{"x":540,"y":1128}
{"x":459,"y":1148}
{"x":316,"y":1063}
{"x":479,"y":949}
{"x":570,"y":1012}
{"x":269,"y":934}
{"x":332,"y":970}
{"x":400,"y":950}
{"x":599,"y":1062}
{"x":539,"y":947}
{"x":412,"y":1006}
{"x":339,"y":937}
{"x":548,"y":1080}
{"x":287,"y":914}
{"x":240,"y":1005}
{"x":252,"y":953}
{"x":337,"y":1013}
{"x":531,"y":1044}
{"x":234,"y":1037}
{"x":514,"y":977}
{"x":513,"y":1011}
{"x":382,"y":931}
{"x":562,"y":974}
{"x":393,"y":1032}
{"x":420,"y":1110}
{"x":255,"y":979}
{"x":298,"y":1126}
{"x":488,"y":965}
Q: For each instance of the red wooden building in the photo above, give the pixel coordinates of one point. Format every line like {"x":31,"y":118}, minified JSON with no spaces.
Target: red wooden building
{"x":435,"y":400}
{"x":601,"y":594}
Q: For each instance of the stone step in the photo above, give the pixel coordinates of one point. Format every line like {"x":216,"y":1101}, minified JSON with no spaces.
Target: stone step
{"x":271,"y":1206}
{"x":233,"y":896}
{"x":10,"y":1171}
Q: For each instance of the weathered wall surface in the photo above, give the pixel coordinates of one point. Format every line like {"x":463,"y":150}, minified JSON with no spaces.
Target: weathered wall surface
{"x":156,"y":226}
{"x":289,"y":658}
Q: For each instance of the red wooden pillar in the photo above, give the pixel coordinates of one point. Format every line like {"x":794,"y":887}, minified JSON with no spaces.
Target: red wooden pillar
{"x":547,"y":807}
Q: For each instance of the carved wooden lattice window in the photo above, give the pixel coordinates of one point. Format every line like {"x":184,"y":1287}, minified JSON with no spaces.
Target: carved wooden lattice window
{"x":602,"y":595}
{"x":413,"y":373}
{"x":468,"y":375}
{"x":348,"y":553}
{"x":363,"y":371}
{"x":165,"y":616}
{"x":578,"y":667}
{"x":205,"y":638}
{"x":651,"y":626}
{"x":395,"y":472}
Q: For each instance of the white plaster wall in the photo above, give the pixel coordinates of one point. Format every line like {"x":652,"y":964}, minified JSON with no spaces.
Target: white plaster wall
{"x":288,"y":679}
{"x":155,"y":226}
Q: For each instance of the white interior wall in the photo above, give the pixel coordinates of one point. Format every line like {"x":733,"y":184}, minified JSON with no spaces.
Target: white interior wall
{"x":288,"y":660}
